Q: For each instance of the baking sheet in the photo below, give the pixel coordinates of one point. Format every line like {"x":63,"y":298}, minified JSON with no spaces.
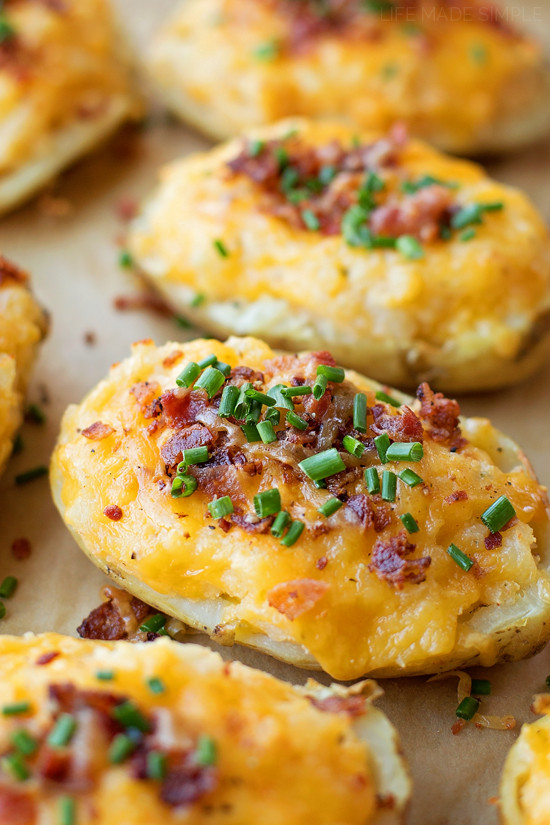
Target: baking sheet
{"x":73,"y":258}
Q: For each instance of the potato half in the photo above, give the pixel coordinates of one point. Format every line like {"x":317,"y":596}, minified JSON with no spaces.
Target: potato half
{"x":409,"y":265}
{"x":65,"y":86}
{"x":23,"y":324}
{"x":459,"y":75}
{"x":212,"y":742}
{"x":357,"y":592}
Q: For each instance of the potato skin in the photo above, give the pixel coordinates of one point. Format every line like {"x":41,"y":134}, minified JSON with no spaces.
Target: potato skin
{"x":244,"y":711}
{"x":467,"y":316}
{"x":386,"y":67}
{"x":66,"y":86}
{"x":170,"y":553}
{"x":524,"y":798}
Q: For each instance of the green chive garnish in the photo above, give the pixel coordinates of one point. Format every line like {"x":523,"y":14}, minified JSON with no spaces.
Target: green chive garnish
{"x":467,"y":708}
{"x":243,"y":403}
{"x":7,"y":31}
{"x":273,"y":416}
{"x":31,"y":475}
{"x":105,"y":675}
{"x":35,"y":414}
{"x":322,"y":465}
{"x":281,"y":400}
{"x":409,"y":523}
{"x":67,"y":810}
{"x":15,"y":765}
{"x":403,"y":451}
{"x":335,"y":374}
{"x":467,"y":235}
{"x":256,"y":395}
{"x":266,"y":51}
{"x":353,"y":446}
{"x":224,"y":368}
{"x":280,"y":523}
{"x":153,"y":624}
{"x":183,"y":486}
{"x":130,"y":716}
{"x":125,"y":260}
{"x":291,"y":392}
{"x":387,"y":399}
{"x":221,"y":507}
{"x":372,"y":480}
{"x":296,"y":421}
{"x":463,"y":561}
{"x":16,"y":709}
{"x":481,"y":687}
{"x":18,"y":444}
{"x":24,"y":742}
{"x":330,"y":507}
{"x":256,"y":148}
{"x":410,"y":477}
{"x":208,"y":361}
{"x":360,"y":412}
{"x":62,"y":731}
{"x":206,"y":752}
{"x":472,"y":213}
{"x":156,"y":765}
{"x":382,"y":442}
{"x":228,"y":401}
{"x":251,"y":432}
{"x":389,"y":485}
{"x":254,"y":412}
{"x":121,"y":748}
{"x":320,"y":387}
{"x":267,"y":503}
{"x":156,"y":685}
{"x":195,"y":455}
{"x":211,"y":380}
{"x":409,"y":247}
{"x":221,"y":248}
{"x":2,"y":610}
{"x":294,"y":532}
{"x":189,"y":375}
{"x":495,"y":516}
{"x":266,"y":431}
{"x":8,"y":587}
{"x":311,"y":220}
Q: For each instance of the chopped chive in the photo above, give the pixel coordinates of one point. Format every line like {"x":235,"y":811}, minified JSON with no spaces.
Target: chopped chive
{"x":266,"y":432}
{"x":121,"y":748}
{"x":495,"y":206}
{"x":221,"y":507}
{"x":281,"y":400}
{"x":282,"y":157}
{"x":278,"y":526}
{"x":296,"y":420}
{"x":206,"y":753}
{"x":291,"y":392}
{"x":224,"y":368}
{"x":211,"y":380}
{"x":125,"y":260}
{"x":156,"y":765}
{"x":2,"y":610}
{"x":382,"y":442}
{"x":467,"y":235}
{"x":182,"y":322}
{"x":105,"y":675}
{"x":294,"y":532}
{"x":8,"y":587}
{"x":35,"y":414}
{"x":256,"y":395}
{"x":353,"y":446}
{"x":360,"y":412}
{"x":153,"y":624}
{"x":354,"y":228}
{"x":63,"y":731}
{"x":15,"y":765}
{"x":327,"y":174}
{"x":471,"y":213}
{"x":445,"y":233}
{"x":547,"y":681}
{"x":372,"y":480}
{"x":495,"y":516}
{"x":409,"y":523}
{"x":481,"y":687}
{"x":251,"y":432}
{"x":209,"y":361}
{"x":405,"y":451}
{"x":228,"y":401}
{"x":273,"y":415}
{"x":320,"y":484}
{"x":389,"y":485}
{"x":467,"y":708}
{"x":266,"y":51}
{"x":198,"y":300}
{"x":311,"y":220}
{"x":18,"y":444}
{"x":183,"y":486}
{"x":243,"y":403}
{"x":67,"y":810}
{"x":319,"y":387}
{"x":24,"y":742}
{"x":335,"y":374}
{"x":387,"y":399}
{"x":221,"y":248}
{"x":410,"y":477}
{"x":463,"y":561}
{"x":7,"y":31}
{"x":330,"y":507}
{"x":254,"y":411}
{"x":409,"y":247}
{"x":322,"y":465}
{"x":267,"y":503}
{"x":130,"y":716}
{"x":156,"y":685}
{"x":16,"y":709}
{"x":31,"y":475}
{"x":256,"y":148}
{"x":189,"y":375}
{"x":195,"y":455}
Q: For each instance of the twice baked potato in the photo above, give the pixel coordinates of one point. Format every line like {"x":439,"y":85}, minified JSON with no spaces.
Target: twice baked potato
{"x":407,"y":264}
{"x":23,"y":324}
{"x":525,"y":786}
{"x":349,"y":533}
{"x":65,"y":86}
{"x":144,"y":734}
{"x":458,"y":74}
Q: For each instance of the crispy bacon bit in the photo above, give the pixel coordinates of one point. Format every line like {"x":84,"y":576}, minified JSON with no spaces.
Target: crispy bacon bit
{"x":113,"y":512}
{"x":321,"y":563}
{"x":359,"y":505}
{"x":143,"y":300}
{"x":186,"y":782}
{"x":16,"y":807}
{"x":459,"y":725}
{"x":389,"y":564}
{"x":106,"y":623}
{"x":182,"y":406}
{"x":259,"y":526}
{"x":126,"y":209}
{"x":493,"y":540}
{"x":404,"y":426}
{"x":294,"y":598}
{"x":197,"y":435}
{"x":11,"y":272}
{"x":240,"y":375}
{"x":172,"y":359}
{"x":98,"y":431}
{"x":440,"y":415}
{"x":354,"y":706}
{"x":46,"y":658}
{"x":21,"y":548}
{"x":385,"y":802}
{"x":145,"y":392}
{"x":458,"y":495}
{"x":420,"y":215}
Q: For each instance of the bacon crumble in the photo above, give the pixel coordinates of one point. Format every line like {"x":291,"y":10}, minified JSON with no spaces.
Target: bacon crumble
{"x":294,"y":598}
{"x":113,"y":512}
{"x":389,"y":563}
{"x":98,"y":431}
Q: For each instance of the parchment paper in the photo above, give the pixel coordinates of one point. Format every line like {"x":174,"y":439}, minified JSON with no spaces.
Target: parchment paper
{"x":73,"y":259}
